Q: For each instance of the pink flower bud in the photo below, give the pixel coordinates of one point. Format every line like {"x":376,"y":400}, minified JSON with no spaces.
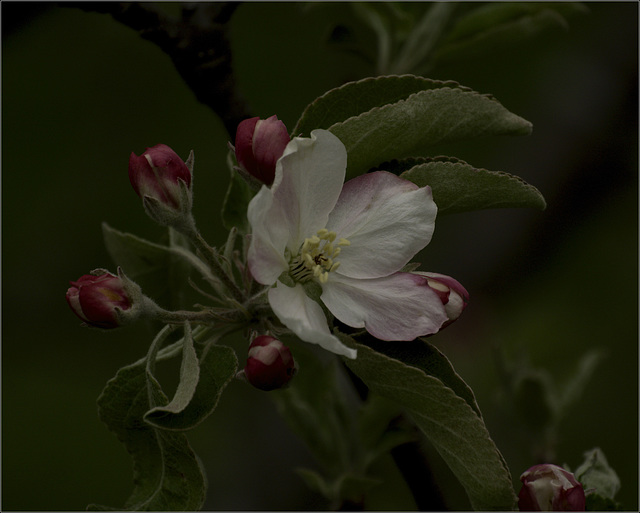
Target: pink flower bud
{"x":156,"y":173}
{"x":259,"y":145}
{"x":453,"y":295}
{"x":548,"y":487}
{"x":96,"y":299}
{"x":270,"y":364}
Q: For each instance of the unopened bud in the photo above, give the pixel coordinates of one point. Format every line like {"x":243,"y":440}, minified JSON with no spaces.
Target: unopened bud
{"x":258,"y":146}
{"x":270,"y":364}
{"x":548,"y":487}
{"x":163,"y":181}
{"x":97,"y":300}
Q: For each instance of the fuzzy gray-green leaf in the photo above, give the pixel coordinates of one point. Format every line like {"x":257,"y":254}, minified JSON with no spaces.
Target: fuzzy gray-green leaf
{"x":450,"y":423}
{"x":355,"y":98}
{"x":167,"y":475}
{"x":217,"y":365}
{"x":459,"y":187}
{"x":411,"y":127}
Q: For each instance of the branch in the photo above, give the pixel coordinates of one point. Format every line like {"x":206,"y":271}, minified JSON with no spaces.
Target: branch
{"x":197,"y":44}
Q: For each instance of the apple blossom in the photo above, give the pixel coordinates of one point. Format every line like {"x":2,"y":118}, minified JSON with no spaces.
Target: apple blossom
{"x":351,"y":239}
{"x":547,"y":487}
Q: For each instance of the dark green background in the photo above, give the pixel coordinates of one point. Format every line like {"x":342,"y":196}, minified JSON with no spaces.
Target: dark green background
{"x":80,"y":92}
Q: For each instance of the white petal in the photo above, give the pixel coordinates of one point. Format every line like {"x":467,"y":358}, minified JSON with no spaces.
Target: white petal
{"x":397,"y":307}
{"x":309,"y":178}
{"x":305,"y":318}
{"x":269,"y":237}
{"x":386,"y":219}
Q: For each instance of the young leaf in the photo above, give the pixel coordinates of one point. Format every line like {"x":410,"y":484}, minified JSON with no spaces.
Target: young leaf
{"x":414,"y":125}
{"x":450,"y":423}
{"x":202,"y":381}
{"x":423,"y":37}
{"x":500,"y":25}
{"x":134,"y":254}
{"x":167,"y":474}
{"x":596,"y":473}
{"x":162,"y":270}
{"x":189,"y":377}
{"x":459,"y":187}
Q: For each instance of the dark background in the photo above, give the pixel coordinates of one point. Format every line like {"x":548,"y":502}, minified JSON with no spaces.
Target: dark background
{"x":81,"y":91}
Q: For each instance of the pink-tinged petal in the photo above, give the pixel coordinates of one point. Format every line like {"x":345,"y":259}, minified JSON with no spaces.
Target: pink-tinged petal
{"x":269,"y":236}
{"x":453,"y":295}
{"x":397,"y":307}
{"x":305,"y":318}
{"x":386,"y":219}
{"x":309,"y":178}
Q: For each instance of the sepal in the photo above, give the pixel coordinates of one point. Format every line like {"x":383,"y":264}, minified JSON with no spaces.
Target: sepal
{"x":181,"y":219}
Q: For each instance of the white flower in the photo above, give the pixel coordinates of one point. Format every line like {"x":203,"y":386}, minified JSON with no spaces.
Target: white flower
{"x":352,"y":239}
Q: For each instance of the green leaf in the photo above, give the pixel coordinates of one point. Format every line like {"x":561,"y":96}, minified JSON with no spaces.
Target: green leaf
{"x":459,"y":187}
{"x":573,"y":387}
{"x":134,"y":254}
{"x":423,"y":38}
{"x":421,"y":354}
{"x":355,"y":98}
{"x":448,"y":421}
{"x":162,"y":270}
{"x":167,"y":474}
{"x":202,"y":382}
{"x":189,"y":377}
{"x":596,"y":473}
{"x":595,"y":502}
{"x":390,"y":117}
{"x":414,"y":125}
{"x":502,"y":25}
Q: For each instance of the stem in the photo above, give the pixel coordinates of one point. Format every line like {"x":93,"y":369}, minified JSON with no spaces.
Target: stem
{"x":212,"y":259}
{"x":203,"y":317}
{"x":195,"y":262}
{"x":415,"y":470}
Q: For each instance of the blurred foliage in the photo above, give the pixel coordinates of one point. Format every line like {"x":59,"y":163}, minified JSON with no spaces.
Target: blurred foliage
{"x":80,"y":92}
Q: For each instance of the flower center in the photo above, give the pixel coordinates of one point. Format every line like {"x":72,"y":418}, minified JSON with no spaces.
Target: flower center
{"x":317,"y":257}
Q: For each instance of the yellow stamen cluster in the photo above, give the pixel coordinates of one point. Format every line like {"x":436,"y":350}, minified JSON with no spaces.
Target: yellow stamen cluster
{"x":317,"y":257}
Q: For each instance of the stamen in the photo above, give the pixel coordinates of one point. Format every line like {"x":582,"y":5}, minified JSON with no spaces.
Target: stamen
{"x":316,"y":258}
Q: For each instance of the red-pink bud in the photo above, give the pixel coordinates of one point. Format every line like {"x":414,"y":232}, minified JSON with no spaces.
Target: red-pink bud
{"x":156,"y":173}
{"x":270,"y":364}
{"x":95,"y":298}
{"x":548,"y":487}
{"x":259,"y":145}
{"x":453,"y":295}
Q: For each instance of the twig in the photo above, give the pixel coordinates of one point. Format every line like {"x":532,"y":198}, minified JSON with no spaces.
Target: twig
{"x":197,"y":43}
